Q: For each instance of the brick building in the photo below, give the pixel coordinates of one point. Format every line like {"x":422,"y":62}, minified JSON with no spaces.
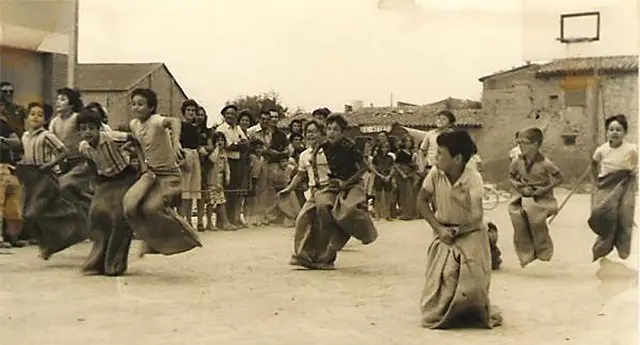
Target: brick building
{"x":565,"y":98}
{"x":111,"y":85}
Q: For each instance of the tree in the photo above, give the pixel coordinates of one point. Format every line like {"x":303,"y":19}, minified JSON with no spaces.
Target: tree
{"x":257,"y":103}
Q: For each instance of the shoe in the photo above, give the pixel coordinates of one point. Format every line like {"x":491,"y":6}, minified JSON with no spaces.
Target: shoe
{"x":201,"y":228}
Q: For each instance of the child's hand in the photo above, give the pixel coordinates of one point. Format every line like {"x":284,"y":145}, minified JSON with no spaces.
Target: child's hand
{"x":446,"y":235}
{"x":526,"y":192}
{"x":539,"y":192}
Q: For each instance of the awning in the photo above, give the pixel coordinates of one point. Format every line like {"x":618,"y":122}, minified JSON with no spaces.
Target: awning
{"x":39,"y":25}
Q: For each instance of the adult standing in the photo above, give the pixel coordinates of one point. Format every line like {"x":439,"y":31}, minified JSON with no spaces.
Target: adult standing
{"x":237,"y":143}
{"x":10,"y":191}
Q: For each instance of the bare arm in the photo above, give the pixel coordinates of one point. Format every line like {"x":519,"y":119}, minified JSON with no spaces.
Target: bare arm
{"x":12,"y":142}
{"x":428,"y":214}
{"x":175,"y":125}
{"x":298,"y":178}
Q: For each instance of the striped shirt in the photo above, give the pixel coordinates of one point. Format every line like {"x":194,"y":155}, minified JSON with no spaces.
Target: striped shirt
{"x":107,"y":156}
{"x":41,"y":147}
{"x":453,"y":202}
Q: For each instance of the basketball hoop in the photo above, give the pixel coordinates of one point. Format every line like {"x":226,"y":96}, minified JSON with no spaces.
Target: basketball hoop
{"x":570,"y":40}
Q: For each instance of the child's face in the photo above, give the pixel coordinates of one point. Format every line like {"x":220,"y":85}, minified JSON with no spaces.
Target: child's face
{"x":334,"y":132}
{"x":408,"y":143}
{"x":296,"y":127}
{"x":284,"y":162}
{"x":89,"y":132}
{"x":442,"y":121}
{"x":297,"y":143}
{"x":35,"y":118}
{"x":201,"y":116}
{"x":190,"y":113}
{"x":615,"y":132}
{"x":312,"y":134}
{"x":140,"y":107}
{"x":62,"y":104}
{"x":221,"y":142}
{"x":527,"y":147}
{"x":259,"y":149}
{"x":446,"y":162}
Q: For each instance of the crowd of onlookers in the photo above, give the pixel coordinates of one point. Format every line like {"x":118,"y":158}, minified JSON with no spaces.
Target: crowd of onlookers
{"x":232,"y":172}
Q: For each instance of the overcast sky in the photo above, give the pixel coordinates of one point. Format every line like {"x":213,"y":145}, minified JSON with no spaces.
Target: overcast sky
{"x":328,"y":52}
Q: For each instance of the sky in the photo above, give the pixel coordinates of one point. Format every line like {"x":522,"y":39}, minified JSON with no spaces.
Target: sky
{"x":331,"y":52}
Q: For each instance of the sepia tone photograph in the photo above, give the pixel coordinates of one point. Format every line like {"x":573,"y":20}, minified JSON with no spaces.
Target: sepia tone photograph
{"x":319,"y":171}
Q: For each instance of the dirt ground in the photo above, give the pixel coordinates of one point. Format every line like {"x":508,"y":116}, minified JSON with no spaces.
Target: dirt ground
{"x":238,"y":289}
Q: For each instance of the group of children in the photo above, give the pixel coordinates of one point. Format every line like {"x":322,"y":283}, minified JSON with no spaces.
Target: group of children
{"x":81,"y":180}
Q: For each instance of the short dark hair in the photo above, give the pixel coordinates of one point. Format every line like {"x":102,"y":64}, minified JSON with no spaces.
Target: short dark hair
{"x":89,"y":116}
{"x":294,"y":121}
{"x":149,"y":95}
{"x":322,"y":112}
{"x":295,"y":135}
{"x":339,"y":120}
{"x":457,"y":142}
{"x":33,"y":105}
{"x":449,"y":115}
{"x":74,"y":98}
{"x":5,"y":83}
{"x":620,"y":118}
{"x":98,"y":107}
{"x":246,"y":113}
{"x":318,"y":125}
{"x":218,"y":135}
{"x":534,"y":134}
{"x":188,"y":103}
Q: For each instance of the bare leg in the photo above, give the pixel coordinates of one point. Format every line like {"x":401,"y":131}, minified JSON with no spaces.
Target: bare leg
{"x":187,"y":210}
{"x":222,"y":219}
{"x":200,"y":206}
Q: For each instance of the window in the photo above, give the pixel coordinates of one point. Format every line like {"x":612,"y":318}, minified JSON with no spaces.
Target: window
{"x":575,"y":98}
{"x":569,"y":139}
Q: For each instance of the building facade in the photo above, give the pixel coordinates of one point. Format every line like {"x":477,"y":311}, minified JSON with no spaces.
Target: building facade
{"x":111,"y":85}
{"x":568,"y":98}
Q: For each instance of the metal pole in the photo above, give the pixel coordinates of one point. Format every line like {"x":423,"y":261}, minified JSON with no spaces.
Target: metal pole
{"x":72,"y":55}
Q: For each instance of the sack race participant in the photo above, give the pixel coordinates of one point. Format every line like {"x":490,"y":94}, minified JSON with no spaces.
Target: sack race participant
{"x":341,"y":205}
{"x":458,"y":276}
{"x":54,"y":221}
{"x":310,"y":248}
{"x":149,"y":204}
{"x":534,"y":177}
{"x":614,"y":171}
{"x":112,"y":234}
{"x":75,"y":177}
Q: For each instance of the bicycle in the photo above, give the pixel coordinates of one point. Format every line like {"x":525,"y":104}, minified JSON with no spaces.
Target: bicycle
{"x":490,"y":198}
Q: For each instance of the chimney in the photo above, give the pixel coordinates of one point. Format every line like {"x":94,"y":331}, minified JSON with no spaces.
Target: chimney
{"x":348,"y":108}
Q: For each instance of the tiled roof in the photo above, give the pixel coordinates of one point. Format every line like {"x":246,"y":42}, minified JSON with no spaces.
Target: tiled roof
{"x":468,"y":114}
{"x":514,"y":69}
{"x":112,"y":76}
{"x":611,"y":64}
{"x":420,"y":117}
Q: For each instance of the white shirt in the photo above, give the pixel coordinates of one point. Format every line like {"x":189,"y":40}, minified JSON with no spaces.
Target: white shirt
{"x":233,"y":135}
{"x":623,"y":157}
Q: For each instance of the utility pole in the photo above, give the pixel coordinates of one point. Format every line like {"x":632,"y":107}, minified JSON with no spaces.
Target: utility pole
{"x":72,"y":55}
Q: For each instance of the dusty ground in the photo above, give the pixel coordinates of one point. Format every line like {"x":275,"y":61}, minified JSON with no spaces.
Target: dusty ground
{"x":238,"y":289}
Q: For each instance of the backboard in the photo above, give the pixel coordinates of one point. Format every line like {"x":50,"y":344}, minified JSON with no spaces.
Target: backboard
{"x":554,"y":29}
